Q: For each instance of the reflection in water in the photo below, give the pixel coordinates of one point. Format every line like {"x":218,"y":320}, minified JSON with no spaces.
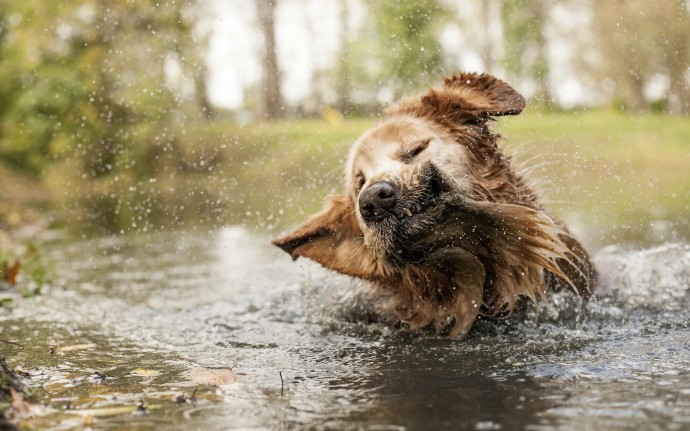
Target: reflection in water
{"x":436,"y":386}
{"x":306,"y":356}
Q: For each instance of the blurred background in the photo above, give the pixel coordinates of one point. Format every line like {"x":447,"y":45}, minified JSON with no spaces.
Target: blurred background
{"x":126,"y":116}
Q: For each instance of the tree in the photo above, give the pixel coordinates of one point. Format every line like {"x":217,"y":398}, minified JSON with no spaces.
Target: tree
{"x":10,"y":83}
{"x":673,"y":42}
{"x":397,"y":50}
{"x":638,"y":40}
{"x":408,"y":42}
{"x":38,"y":89}
{"x":93,"y":81}
{"x":525,"y":44}
{"x":272,"y":100}
{"x":485,"y":41}
{"x":344,"y":68}
{"x":192,"y":56}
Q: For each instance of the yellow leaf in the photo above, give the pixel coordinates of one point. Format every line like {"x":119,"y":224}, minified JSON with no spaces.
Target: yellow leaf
{"x":207,"y":376}
{"x":211,"y":376}
{"x":76,"y":347}
{"x":140,"y":372}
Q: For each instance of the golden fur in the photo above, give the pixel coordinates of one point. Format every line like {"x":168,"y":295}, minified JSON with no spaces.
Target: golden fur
{"x":466,"y":236}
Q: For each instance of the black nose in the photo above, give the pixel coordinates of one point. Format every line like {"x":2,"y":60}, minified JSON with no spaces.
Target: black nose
{"x":376,"y":201}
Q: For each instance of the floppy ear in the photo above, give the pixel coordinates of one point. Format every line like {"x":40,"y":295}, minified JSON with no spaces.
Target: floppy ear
{"x":464,"y":95}
{"x":332,"y":237}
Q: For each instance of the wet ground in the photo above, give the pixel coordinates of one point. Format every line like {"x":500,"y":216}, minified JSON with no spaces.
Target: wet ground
{"x":219,"y":330}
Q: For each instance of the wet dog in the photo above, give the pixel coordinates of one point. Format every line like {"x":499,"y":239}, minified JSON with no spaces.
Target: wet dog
{"x":435,"y":215}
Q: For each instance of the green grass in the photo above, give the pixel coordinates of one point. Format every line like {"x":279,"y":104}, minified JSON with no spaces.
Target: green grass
{"x":295,"y":165}
{"x":598,"y":170}
{"x":607,"y":168}
{"x":266,"y":175}
{"x":602,"y":167}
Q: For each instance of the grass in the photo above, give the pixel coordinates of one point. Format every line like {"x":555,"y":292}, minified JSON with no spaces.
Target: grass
{"x":608,"y":168}
{"x":598,"y":170}
{"x":266,"y":175}
{"x":299,"y":164}
{"x":598,"y":166}
{"x":601,"y":171}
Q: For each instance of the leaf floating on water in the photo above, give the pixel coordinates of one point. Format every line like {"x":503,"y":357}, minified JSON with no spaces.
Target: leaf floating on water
{"x":111,"y":411}
{"x":74,"y":347}
{"x":21,"y":407}
{"x":208,"y":376}
{"x":211,"y":376}
{"x":89,"y":420}
{"x":141,"y":372}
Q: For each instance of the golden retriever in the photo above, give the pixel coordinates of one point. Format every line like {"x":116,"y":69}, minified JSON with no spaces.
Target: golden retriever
{"x":434,"y":214}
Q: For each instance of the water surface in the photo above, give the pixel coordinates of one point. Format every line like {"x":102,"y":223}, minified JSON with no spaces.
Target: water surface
{"x":219,"y":330}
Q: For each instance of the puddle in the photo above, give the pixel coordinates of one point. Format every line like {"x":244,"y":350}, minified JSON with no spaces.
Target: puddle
{"x":217,"y":330}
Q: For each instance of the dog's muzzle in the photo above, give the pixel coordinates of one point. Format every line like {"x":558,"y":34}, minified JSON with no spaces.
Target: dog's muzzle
{"x":377,"y":201}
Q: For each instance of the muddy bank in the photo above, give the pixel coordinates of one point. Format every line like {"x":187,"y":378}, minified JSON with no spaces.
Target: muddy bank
{"x":13,"y":395}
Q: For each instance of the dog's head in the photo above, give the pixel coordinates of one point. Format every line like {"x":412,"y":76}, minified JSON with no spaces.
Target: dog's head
{"x":434,"y":213}
{"x":407,"y":176}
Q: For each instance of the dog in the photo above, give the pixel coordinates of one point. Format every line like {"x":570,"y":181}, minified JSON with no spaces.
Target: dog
{"x":435,"y":216}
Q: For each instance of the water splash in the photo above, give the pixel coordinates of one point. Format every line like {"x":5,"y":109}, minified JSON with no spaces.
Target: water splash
{"x":228,"y":299}
{"x":656,"y":278}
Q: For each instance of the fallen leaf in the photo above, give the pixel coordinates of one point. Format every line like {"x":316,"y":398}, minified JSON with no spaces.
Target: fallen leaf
{"x":89,"y":420}
{"x":76,"y":347}
{"x":109,"y":411}
{"x":206,"y":376}
{"x":20,"y":406}
{"x":10,"y":272}
{"x":140,"y":372}
{"x":211,"y":376}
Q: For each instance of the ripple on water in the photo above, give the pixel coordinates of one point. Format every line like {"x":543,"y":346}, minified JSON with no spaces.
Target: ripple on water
{"x":308,"y":351}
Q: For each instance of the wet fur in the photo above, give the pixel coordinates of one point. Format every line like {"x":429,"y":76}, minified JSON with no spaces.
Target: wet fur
{"x":468,"y":236}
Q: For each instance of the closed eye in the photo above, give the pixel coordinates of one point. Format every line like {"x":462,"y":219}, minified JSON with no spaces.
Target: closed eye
{"x":417,"y":150}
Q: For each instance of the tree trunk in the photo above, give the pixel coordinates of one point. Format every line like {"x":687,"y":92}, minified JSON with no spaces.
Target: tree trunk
{"x":201,"y":93}
{"x":344,"y":79}
{"x":272,"y":99}
{"x":540,"y":69}
{"x":633,"y":93}
{"x":676,"y":55}
{"x":679,"y":97}
{"x":486,"y":50}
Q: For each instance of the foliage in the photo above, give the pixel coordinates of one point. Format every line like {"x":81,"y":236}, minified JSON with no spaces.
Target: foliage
{"x":28,"y":271}
{"x":525,"y":43}
{"x":93,"y":83}
{"x":638,"y":41}
{"x":398,"y":49}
